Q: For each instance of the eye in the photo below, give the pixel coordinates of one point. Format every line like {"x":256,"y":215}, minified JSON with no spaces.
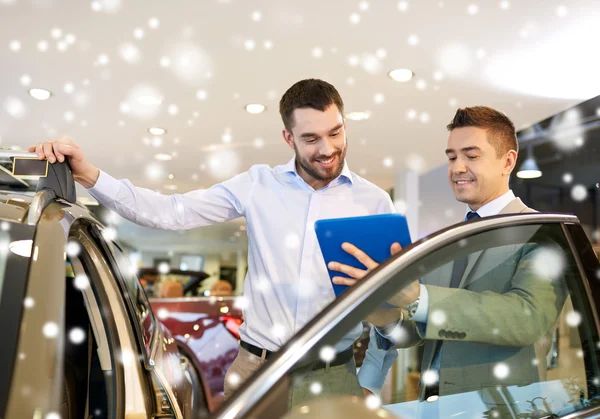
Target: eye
{"x":335,"y":134}
{"x":451,"y":158}
{"x":472,"y":157}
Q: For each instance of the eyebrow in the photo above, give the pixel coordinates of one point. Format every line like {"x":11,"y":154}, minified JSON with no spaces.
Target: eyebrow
{"x":464,"y":149}
{"x":312,"y":134}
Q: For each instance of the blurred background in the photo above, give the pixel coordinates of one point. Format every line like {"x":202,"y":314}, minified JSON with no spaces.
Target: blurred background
{"x":181,"y":95}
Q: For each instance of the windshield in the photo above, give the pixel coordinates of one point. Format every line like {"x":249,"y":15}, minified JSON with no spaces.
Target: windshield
{"x":15,"y":250}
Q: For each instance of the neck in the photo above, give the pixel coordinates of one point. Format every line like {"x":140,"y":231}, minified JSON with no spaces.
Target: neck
{"x":476,"y":206}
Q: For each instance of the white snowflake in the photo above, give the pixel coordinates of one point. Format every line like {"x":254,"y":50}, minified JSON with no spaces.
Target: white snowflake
{"x":373,"y":402}
{"x":579,"y":193}
{"x":327,"y":353}
{"x":430,"y":377}
{"x":573,"y":318}
{"x":77,"y":335}
{"x":50,"y":330}
{"x":549,"y":263}
{"x":81,"y":282}
{"x":316,"y":388}
{"x":438,"y":317}
{"x":73,"y":248}
{"x":501,"y":371}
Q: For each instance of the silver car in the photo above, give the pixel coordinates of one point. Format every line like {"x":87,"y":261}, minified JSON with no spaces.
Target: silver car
{"x":79,"y":338}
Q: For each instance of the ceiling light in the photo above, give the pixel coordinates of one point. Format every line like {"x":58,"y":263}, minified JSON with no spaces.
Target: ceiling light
{"x":157,"y":131}
{"x":40,"y":94}
{"x":401,"y":75}
{"x":21,"y":247}
{"x":255,"y":108}
{"x":358,"y":116}
{"x":171,"y":187}
{"x":163,"y":157}
{"x":529,"y":168}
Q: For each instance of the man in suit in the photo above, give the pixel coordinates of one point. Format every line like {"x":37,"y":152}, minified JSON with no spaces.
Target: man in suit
{"x":491,"y":308}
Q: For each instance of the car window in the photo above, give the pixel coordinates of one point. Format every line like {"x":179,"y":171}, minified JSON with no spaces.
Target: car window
{"x":136,"y":298}
{"x":513,"y":336}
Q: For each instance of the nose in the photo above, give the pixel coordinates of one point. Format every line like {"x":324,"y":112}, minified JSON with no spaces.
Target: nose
{"x":457,"y":167}
{"x":327,"y":148}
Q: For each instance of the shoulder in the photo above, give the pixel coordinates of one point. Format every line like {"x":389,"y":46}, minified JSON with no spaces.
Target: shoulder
{"x":516,"y":206}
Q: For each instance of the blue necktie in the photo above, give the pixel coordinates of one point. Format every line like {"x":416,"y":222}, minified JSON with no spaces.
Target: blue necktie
{"x":460,"y":265}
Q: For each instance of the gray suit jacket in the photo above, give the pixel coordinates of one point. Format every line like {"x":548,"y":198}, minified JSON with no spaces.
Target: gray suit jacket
{"x":502,"y":313}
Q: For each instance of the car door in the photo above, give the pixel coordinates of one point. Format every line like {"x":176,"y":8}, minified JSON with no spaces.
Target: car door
{"x":157,"y":349}
{"x":529,"y":287}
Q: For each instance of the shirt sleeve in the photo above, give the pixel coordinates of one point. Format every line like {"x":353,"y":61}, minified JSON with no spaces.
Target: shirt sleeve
{"x":376,"y":365}
{"x":222,"y":202}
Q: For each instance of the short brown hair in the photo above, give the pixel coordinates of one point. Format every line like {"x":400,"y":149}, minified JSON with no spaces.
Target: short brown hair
{"x":500,"y":129}
{"x":310,"y":93}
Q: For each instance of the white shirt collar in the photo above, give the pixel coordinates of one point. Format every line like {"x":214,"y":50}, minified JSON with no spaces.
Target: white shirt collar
{"x":290,"y":167}
{"x":494,"y":207}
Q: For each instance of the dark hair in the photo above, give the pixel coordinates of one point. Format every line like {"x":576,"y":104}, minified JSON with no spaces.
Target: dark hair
{"x":500,"y":129}
{"x":310,"y":93}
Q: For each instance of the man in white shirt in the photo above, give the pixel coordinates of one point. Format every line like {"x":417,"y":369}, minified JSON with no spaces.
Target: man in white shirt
{"x":287,"y":282}
{"x":482,"y":152}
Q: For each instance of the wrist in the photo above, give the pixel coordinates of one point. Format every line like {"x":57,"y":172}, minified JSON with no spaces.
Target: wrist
{"x":88,"y":177}
{"x":412,"y":307}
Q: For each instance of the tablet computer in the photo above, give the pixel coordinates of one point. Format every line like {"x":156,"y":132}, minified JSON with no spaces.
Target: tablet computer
{"x":373,"y":234}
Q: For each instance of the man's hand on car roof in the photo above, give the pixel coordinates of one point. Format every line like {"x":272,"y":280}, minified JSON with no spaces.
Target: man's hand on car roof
{"x":57,"y":150}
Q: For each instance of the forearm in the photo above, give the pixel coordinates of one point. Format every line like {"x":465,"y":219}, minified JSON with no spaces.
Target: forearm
{"x":170,"y":212}
{"x":88,"y":177}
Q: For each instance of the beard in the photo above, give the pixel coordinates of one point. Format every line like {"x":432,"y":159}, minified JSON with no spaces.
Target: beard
{"x":312,"y":168}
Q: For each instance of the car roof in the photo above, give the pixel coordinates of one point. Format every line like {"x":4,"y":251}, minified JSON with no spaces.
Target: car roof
{"x":24,"y":201}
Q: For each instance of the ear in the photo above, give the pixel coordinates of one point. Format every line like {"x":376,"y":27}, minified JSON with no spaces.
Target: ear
{"x":510,"y":160}
{"x":288,"y":138}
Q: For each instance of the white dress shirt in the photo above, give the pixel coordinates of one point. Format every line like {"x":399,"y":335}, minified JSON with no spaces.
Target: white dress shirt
{"x":287,"y":282}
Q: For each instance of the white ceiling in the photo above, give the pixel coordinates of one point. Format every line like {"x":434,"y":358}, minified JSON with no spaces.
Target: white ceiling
{"x":530,"y":59}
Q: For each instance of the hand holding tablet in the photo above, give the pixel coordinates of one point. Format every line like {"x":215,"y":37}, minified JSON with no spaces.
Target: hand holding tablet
{"x":354,"y":246}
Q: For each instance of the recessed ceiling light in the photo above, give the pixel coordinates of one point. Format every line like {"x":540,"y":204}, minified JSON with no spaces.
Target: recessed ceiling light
{"x":401,"y":75}
{"x":358,"y":116}
{"x":157,"y":131}
{"x":40,"y":94}
{"x":255,"y":108}
{"x":163,"y":157}
{"x":171,"y":187}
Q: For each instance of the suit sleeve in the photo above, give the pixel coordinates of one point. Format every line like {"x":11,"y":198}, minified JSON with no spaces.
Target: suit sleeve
{"x":518,"y":317}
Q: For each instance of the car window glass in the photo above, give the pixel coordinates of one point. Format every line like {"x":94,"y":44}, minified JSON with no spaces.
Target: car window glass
{"x":513,"y":336}
{"x":139,"y":304}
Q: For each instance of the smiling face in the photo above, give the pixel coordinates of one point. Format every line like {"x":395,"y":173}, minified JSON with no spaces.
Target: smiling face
{"x":319,"y":141}
{"x":476,"y":172}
